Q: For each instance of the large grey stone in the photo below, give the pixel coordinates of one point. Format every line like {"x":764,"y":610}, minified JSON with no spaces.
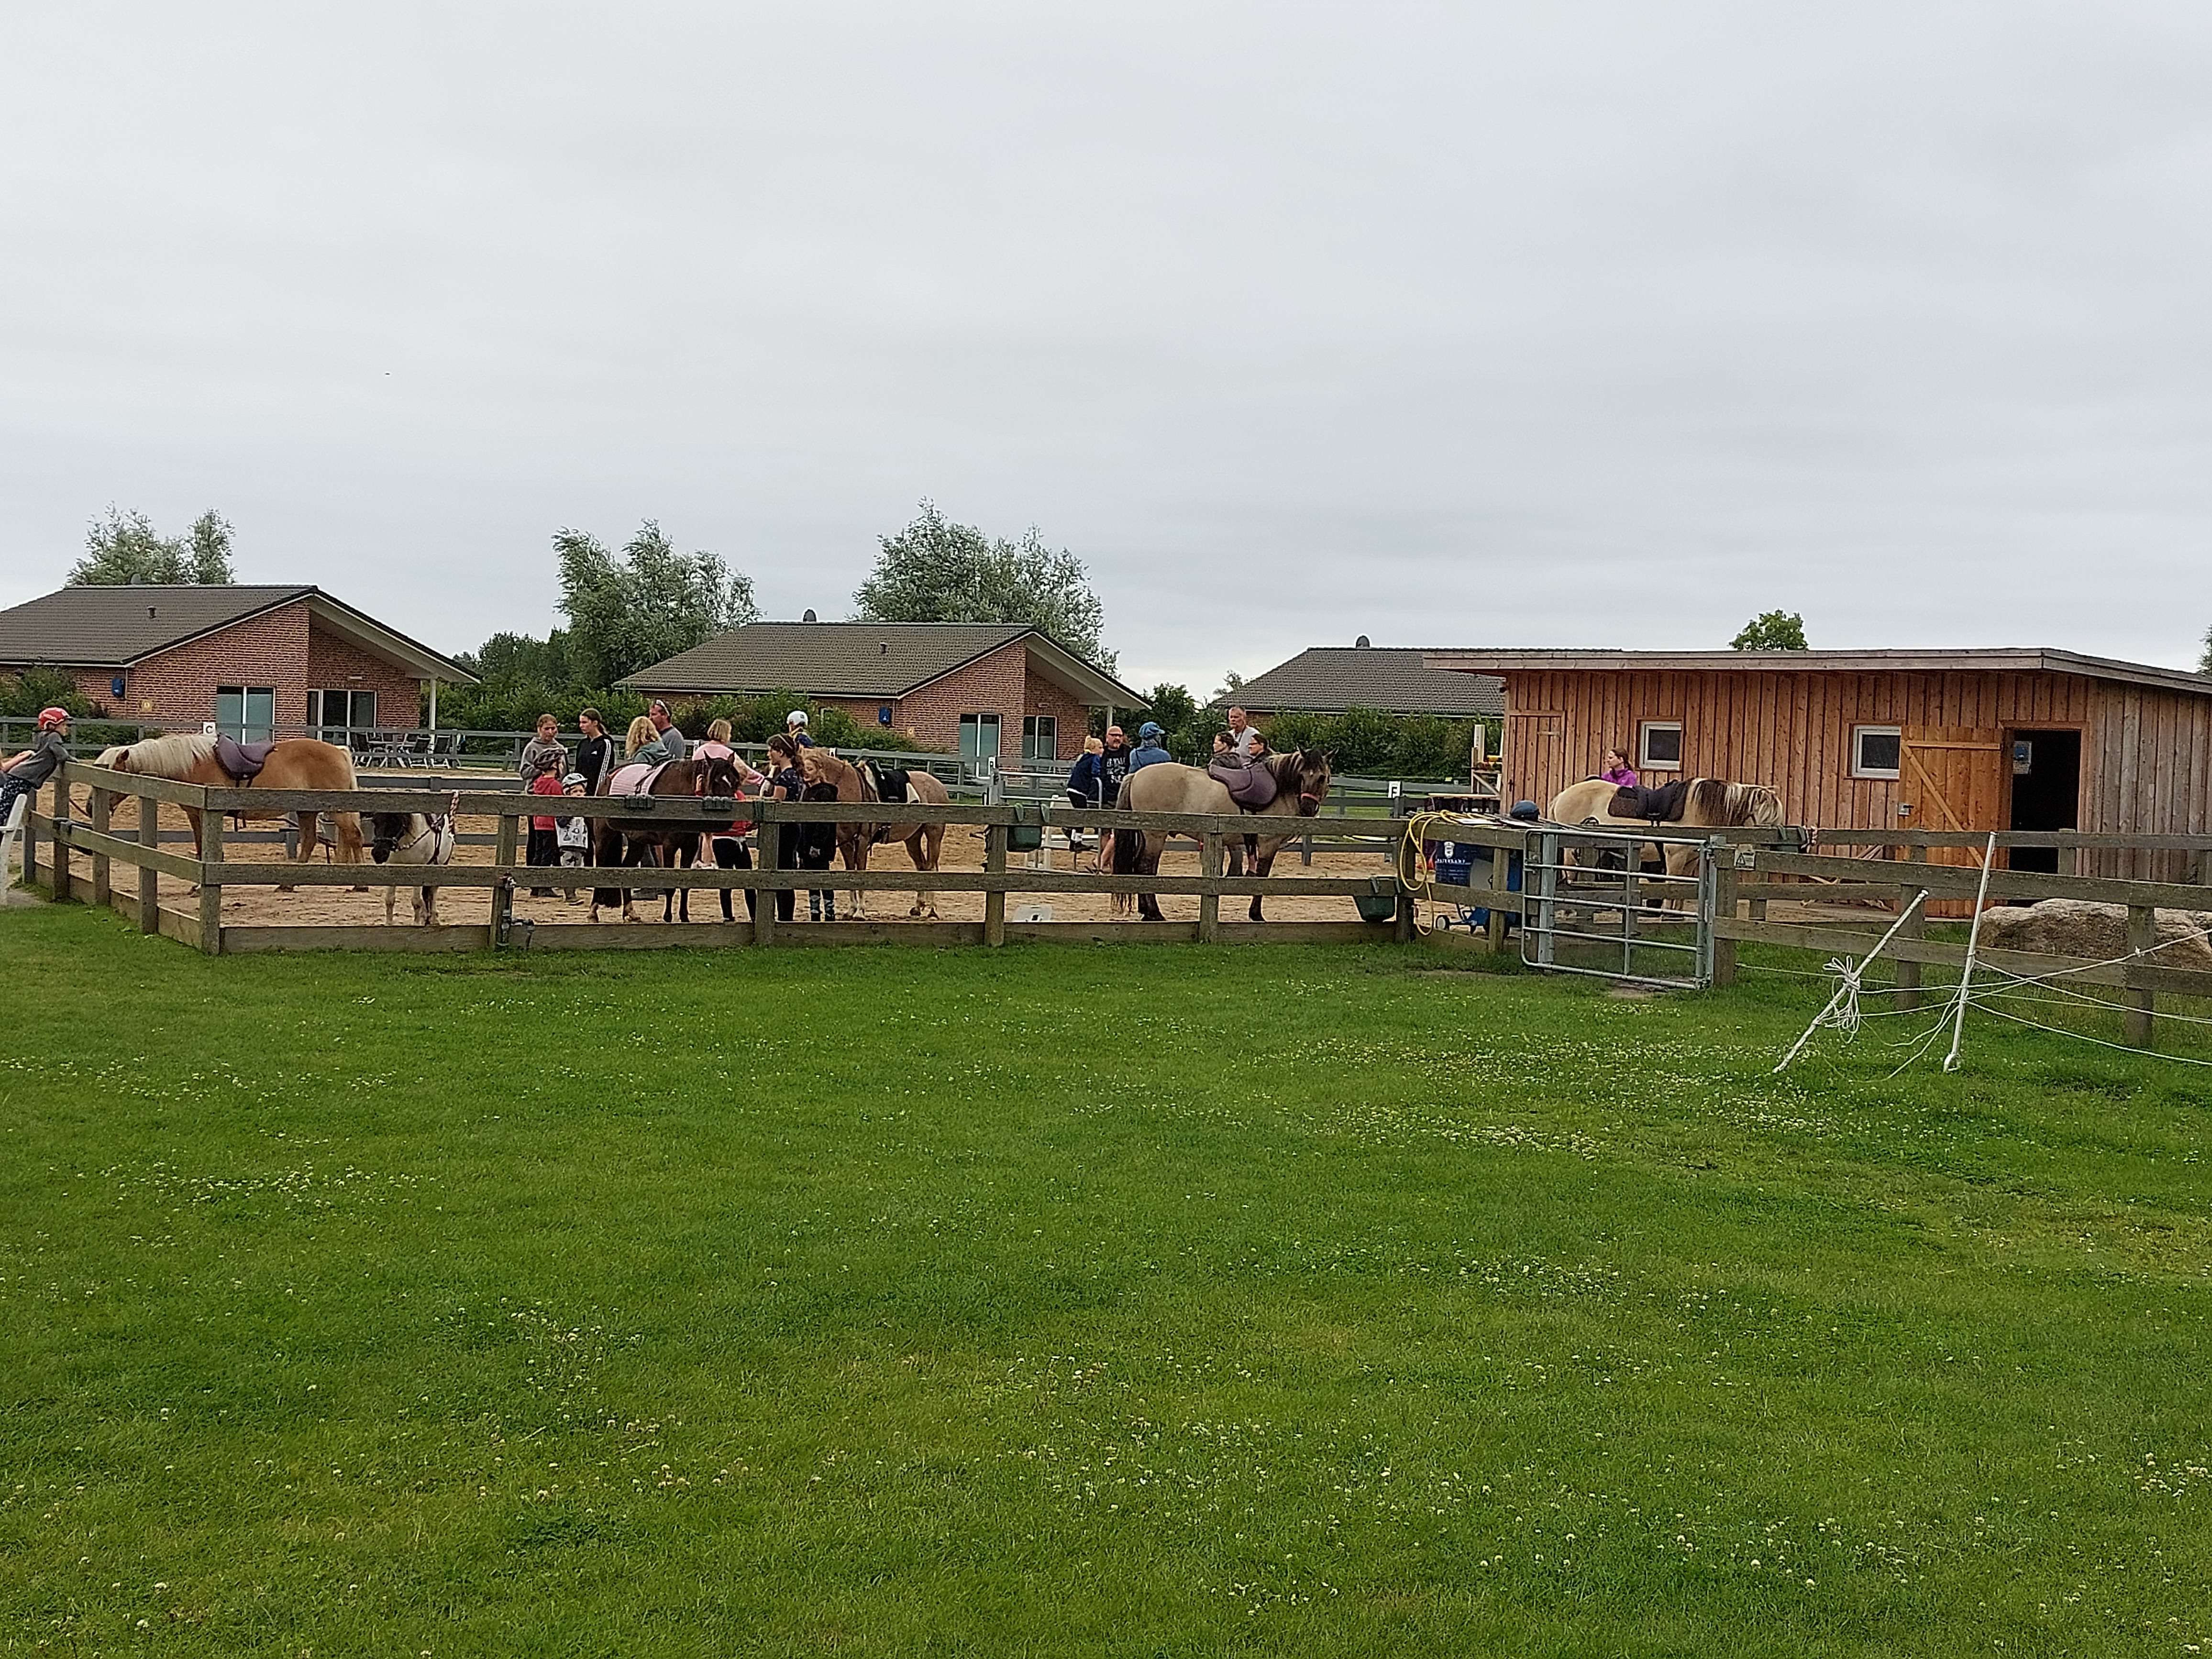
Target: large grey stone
{"x":2077,"y":927}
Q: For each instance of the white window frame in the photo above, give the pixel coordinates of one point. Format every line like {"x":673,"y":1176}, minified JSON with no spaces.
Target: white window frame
{"x":1040,"y":738}
{"x":1859,"y":733}
{"x":1644,"y":761}
{"x":980,"y":724}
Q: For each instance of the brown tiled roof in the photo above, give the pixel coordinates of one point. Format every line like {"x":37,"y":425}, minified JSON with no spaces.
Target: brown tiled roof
{"x":848,"y":659}
{"x":1327,"y":679}
{"x":98,"y":626}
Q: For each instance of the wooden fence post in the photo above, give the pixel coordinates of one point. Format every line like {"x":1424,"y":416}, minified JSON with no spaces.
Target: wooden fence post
{"x":63,"y":886}
{"x":995,"y":902}
{"x":2142,"y":935}
{"x":1209,"y":904}
{"x":149,"y":878}
{"x":502,"y":896}
{"x":1916,"y":926}
{"x":770,"y":837}
{"x":1501,"y":873}
{"x":211,"y":883}
{"x":1725,"y":886}
{"x":102,"y":876}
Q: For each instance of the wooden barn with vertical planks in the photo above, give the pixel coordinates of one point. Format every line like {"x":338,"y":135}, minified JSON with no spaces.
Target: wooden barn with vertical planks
{"x":1987,"y":739}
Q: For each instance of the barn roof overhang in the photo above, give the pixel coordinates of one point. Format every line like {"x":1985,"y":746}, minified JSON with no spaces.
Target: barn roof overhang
{"x":2003,"y":660}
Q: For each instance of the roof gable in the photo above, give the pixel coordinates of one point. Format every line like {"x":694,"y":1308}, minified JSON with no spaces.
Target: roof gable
{"x":1395,"y":679}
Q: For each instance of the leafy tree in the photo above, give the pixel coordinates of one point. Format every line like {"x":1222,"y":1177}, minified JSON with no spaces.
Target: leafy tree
{"x":1231,"y":683}
{"x":2204,"y":662}
{"x":35,"y":688}
{"x":629,"y":611}
{"x":123,"y":549}
{"x":1772,"y":630}
{"x":935,"y":570}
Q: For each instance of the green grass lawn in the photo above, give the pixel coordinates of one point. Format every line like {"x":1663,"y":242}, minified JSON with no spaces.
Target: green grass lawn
{"x":1051,"y":1300}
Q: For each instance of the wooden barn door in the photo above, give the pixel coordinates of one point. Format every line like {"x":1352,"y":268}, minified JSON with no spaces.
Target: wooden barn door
{"x":1954,"y":778}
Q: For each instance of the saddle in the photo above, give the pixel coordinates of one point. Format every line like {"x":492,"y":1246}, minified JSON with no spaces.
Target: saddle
{"x":892,"y":783}
{"x":1252,"y":787}
{"x":634,"y":778}
{"x":1662,"y":803}
{"x":243,"y":761}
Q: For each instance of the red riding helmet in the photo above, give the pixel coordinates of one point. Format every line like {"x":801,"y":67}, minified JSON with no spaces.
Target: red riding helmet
{"x":51,"y":718}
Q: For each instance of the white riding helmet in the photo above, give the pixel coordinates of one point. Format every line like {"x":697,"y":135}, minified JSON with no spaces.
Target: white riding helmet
{"x":796,"y":717}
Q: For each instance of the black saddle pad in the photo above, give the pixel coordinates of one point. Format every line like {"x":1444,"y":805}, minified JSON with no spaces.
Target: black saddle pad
{"x":891,"y":782}
{"x":1659,"y":803}
{"x":243,"y":761}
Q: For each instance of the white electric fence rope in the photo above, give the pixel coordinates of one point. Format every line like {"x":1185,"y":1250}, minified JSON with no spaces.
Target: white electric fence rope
{"x":1842,"y":1010}
{"x":1973,"y":945}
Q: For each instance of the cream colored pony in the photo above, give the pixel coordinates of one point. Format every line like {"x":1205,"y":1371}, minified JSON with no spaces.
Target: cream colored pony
{"x":1708,"y":804}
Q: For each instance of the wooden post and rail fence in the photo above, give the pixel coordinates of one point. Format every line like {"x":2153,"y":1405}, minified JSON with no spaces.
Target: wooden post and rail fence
{"x":1753,"y":871}
{"x":95,"y":842}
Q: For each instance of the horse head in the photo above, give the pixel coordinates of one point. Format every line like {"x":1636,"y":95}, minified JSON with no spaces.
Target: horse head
{"x":718,"y":775}
{"x":1760,"y":806}
{"x":117,"y":759}
{"x":1307,"y":772}
{"x":387,"y":829}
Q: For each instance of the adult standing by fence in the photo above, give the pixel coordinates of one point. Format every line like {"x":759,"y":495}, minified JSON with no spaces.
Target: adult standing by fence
{"x":595,"y":755}
{"x":727,"y":841}
{"x":1242,"y":733}
{"x":785,"y":782}
{"x":1086,"y":787}
{"x":673,"y":743}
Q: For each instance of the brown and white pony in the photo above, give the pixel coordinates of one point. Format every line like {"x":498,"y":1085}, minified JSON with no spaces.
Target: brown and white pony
{"x":625,"y":843}
{"x":1302,"y":779}
{"x":925,"y":843}
{"x":292,"y":764}
{"x":1708,"y":804}
{"x":410,"y":838}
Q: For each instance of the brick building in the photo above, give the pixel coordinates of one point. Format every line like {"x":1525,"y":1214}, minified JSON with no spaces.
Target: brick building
{"x":1003,"y":689}
{"x":259,"y":661}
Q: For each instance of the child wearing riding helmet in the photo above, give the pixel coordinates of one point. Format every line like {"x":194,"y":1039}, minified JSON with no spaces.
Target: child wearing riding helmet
{"x":23,"y":773}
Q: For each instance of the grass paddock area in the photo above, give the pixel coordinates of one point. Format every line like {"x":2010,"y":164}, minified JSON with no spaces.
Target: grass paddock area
{"x":1047,"y":1300}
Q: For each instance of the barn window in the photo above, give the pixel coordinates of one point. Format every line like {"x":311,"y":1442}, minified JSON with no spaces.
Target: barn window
{"x":1876,"y":751}
{"x":1040,"y":737}
{"x":1659,"y":746}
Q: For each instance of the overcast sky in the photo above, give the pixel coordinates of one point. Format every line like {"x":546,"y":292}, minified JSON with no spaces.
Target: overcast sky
{"x":1452,"y":326}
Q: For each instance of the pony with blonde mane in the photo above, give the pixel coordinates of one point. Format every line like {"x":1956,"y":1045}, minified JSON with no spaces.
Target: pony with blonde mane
{"x":292,"y":764}
{"x":1707,"y":803}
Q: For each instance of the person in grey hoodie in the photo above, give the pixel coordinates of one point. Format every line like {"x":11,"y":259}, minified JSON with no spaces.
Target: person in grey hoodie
{"x":544,"y":753}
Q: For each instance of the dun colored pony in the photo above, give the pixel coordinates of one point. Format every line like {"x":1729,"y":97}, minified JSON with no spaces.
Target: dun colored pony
{"x":1301,"y":785}
{"x":925,"y":843}
{"x":1708,"y":804}
{"x":292,"y":764}
{"x":626,"y":843}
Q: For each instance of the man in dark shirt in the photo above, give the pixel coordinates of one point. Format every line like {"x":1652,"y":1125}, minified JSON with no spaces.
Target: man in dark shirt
{"x":1113,"y":765}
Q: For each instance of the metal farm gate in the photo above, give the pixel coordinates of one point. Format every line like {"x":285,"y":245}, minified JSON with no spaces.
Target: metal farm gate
{"x":1591,"y":905}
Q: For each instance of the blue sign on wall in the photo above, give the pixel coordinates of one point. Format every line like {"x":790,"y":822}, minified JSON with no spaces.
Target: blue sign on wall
{"x":115,"y":686}
{"x":882,"y":714}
